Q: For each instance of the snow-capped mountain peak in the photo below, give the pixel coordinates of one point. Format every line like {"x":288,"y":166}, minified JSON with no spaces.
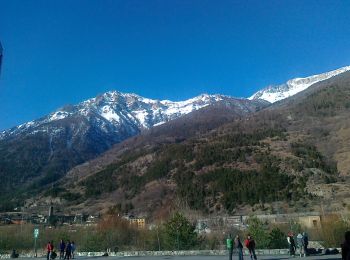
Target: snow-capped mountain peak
{"x":124,"y":114}
{"x":116,"y":110}
{"x":275,"y":93}
{"x":144,"y":112}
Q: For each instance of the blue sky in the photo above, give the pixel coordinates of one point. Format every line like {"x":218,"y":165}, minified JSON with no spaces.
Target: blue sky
{"x":62,"y":52}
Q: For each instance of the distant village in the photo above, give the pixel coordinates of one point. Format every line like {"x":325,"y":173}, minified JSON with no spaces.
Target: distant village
{"x":203,"y":225}
{"x":20,"y":218}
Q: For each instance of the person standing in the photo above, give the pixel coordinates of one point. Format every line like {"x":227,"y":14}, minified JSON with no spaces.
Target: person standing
{"x":62,"y":248}
{"x":291,"y":243}
{"x":229,"y":245}
{"x":68,"y":250}
{"x":239,"y":246}
{"x":345,"y":247}
{"x":300,"y":244}
{"x":49,"y":249}
{"x":250,"y":244}
{"x":73,"y":248}
{"x":306,"y":243}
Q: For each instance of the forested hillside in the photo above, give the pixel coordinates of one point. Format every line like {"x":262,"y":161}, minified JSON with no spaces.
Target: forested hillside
{"x":32,"y":163}
{"x":283,"y":158}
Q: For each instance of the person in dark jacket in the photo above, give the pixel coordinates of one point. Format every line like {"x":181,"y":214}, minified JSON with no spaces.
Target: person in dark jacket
{"x":291,"y":243}
{"x":306,"y":242}
{"x":345,"y":247}
{"x":239,"y":247}
{"x":62,"y":248}
{"x":68,"y":250}
{"x":250,"y":244}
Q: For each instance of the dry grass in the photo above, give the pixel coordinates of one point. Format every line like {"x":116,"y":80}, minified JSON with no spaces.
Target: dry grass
{"x":333,"y":229}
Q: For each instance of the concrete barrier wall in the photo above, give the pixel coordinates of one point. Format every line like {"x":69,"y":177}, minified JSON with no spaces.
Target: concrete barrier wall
{"x":158,"y":253}
{"x":183,"y":253}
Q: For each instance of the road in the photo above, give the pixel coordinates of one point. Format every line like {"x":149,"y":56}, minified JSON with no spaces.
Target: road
{"x":329,"y":257}
{"x":235,"y":257}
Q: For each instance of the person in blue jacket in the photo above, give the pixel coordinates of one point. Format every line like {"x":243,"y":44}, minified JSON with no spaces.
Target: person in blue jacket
{"x":62,"y":247}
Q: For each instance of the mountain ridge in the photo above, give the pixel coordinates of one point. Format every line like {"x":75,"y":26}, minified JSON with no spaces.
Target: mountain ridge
{"x":115,"y":106}
{"x":172,"y":109}
{"x":274,"y":93}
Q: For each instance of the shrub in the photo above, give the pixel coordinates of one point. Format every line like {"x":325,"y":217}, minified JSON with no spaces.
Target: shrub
{"x":277,"y":239}
{"x":259,"y":231}
{"x":179,"y":233}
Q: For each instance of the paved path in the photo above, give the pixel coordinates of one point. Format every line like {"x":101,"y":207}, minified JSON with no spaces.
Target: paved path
{"x":329,"y":257}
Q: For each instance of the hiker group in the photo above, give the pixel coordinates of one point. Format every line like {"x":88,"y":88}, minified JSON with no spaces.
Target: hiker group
{"x":66,"y":250}
{"x":249,"y":244}
{"x":300,"y":247}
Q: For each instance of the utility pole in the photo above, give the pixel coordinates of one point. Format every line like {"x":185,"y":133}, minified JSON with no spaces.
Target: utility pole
{"x":36,"y":235}
{"x":178,"y":240}
{"x":1,"y":49}
{"x":178,"y":244}
{"x":158,"y":238}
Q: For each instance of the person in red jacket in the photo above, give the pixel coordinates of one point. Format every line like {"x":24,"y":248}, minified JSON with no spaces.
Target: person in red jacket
{"x":49,"y":249}
{"x":250,"y":244}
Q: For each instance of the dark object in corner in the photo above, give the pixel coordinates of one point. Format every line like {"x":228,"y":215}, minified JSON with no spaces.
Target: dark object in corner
{"x":14,"y":254}
{"x":330,"y":251}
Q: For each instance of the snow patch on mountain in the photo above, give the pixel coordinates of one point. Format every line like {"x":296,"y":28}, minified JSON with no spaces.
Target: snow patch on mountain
{"x":293,"y":86}
{"x":109,"y":114}
{"x":58,"y":115}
